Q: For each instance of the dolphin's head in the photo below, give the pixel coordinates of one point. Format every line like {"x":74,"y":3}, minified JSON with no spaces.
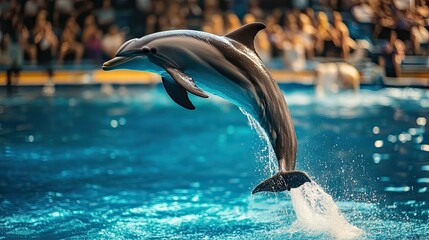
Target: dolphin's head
{"x":135,"y":54}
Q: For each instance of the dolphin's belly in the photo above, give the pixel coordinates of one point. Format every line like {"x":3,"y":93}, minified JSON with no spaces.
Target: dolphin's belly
{"x":214,"y":83}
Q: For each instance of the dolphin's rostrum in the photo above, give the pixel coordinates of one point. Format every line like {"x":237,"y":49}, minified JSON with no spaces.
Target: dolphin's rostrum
{"x":227,"y":66}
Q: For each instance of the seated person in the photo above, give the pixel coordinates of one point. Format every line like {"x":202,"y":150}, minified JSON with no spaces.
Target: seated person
{"x":340,"y":35}
{"x":11,"y":57}
{"x":363,"y":12}
{"x":91,"y":39}
{"x":392,"y":55}
{"x":112,"y":41}
{"x":419,"y":37}
{"x":46,"y":44}
{"x":69,"y":44}
{"x":324,"y":40}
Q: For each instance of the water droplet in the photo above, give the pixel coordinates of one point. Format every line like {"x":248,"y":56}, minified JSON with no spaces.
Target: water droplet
{"x":114,"y":123}
{"x":397,"y":189}
{"x":378,"y":143}
{"x":376,"y":157}
{"x":419,"y":139}
{"x":424,"y":147}
{"x":55,"y":214}
{"x":376,"y":130}
{"x":421,"y":121}
{"x":404,"y":137}
{"x":122,"y":121}
{"x":391,"y":138}
{"x":423,"y":180}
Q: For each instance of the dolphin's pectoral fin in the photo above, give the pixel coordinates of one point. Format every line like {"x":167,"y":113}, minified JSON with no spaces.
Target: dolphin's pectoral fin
{"x":177,"y":93}
{"x":186,"y":82}
{"x":282,"y":181}
{"x":246,"y":34}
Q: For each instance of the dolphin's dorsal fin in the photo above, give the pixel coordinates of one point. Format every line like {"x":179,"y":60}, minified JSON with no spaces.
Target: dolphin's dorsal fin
{"x":246,"y":34}
{"x":186,"y":82}
{"x":177,"y":93}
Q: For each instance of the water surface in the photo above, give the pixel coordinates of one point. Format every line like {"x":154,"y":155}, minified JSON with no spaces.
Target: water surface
{"x":82,"y":164}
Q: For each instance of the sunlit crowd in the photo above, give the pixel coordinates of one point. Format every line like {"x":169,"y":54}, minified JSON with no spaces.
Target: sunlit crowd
{"x":38,"y":32}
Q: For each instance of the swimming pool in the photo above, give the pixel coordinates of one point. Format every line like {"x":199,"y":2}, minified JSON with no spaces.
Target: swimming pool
{"x":133,"y":164}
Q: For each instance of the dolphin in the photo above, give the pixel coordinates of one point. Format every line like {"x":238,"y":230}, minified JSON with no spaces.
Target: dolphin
{"x":227,"y":66}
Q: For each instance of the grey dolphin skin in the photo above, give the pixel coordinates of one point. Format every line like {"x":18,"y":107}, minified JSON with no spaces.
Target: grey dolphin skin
{"x":227,"y":66}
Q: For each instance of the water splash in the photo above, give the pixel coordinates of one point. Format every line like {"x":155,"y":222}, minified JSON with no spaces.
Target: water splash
{"x":272,"y":167}
{"x":315,"y":210}
{"x":317,"y":213}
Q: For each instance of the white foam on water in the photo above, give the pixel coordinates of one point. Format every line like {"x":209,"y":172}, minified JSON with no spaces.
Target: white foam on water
{"x":315,"y":209}
{"x":316,"y":213}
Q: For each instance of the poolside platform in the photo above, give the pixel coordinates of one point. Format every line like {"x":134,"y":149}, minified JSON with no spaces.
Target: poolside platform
{"x":414,"y":72}
{"x":98,"y":76}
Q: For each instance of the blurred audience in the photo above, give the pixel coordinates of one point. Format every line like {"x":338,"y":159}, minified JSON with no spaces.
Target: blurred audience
{"x":69,"y":43}
{"x":91,"y":39}
{"x":112,"y":41}
{"x":64,"y":9}
{"x":106,"y":15}
{"x":419,"y":37}
{"x":392,"y":55}
{"x":47,"y":43}
{"x":11,"y":58}
{"x":72,"y":31}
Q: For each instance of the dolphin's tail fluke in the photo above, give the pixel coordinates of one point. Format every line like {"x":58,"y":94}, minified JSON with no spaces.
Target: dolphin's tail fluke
{"x":282,"y":181}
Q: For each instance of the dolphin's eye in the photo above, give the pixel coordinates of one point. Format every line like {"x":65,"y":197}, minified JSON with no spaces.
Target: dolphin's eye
{"x":153,"y":50}
{"x":145,"y":50}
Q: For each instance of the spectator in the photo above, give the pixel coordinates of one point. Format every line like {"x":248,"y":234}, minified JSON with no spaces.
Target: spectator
{"x":276,"y":36}
{"x":83,"y":9}
{"x":310,"y":14}
{"x":385,"y":22}
{"x":363,"y":12}
{"x":31,"y":8}
{"x":294,"y":54}
{"x":11,"y":56}
{"x":291,"y":27}
{"x":112,"y":41}
{"x":22,"y":36}
{"x":423,"y":10}
{"x":69,"y":44}
{"x":10,"y":14}
{"x":340,"y":35}
{"x":41,"y":22}
{"x":255,"y":10}
{"x":63,"y":10}
{"x":153,"y":23}
{"x":173,"y":18}
{"x":141,"y":12}
{"x":307,"y":34}
{"x":46,"y":43}
{"x":193,"y":14}
{"x":324,"y":40}
{"x":91,"y":39}
{"x":404,"y":20}
{"x":232,"y":22}
{"x":217,"y":24}
{"x":419,"y":37}
{"x":106,"y":16}
{"x":392,"y":55}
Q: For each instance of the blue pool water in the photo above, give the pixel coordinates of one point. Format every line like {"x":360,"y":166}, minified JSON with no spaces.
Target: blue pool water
{"x":133,"y":164}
